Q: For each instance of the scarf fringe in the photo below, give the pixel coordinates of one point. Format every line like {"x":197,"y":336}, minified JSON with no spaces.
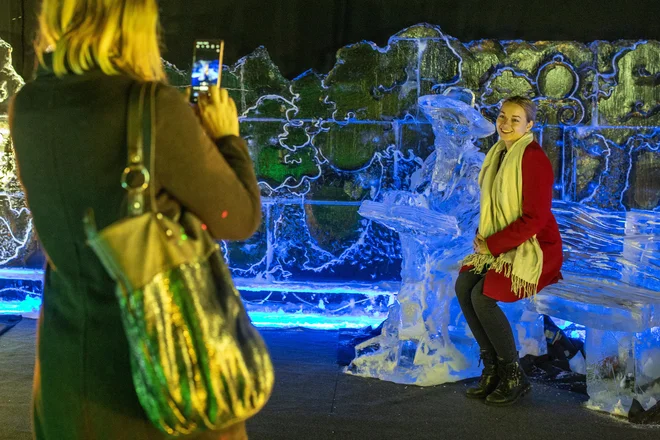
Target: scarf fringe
{"x":478,"y":261}
{"x":521,"y":288}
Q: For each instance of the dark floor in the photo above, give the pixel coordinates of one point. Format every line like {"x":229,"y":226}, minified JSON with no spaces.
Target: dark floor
{"x":314,"y":400}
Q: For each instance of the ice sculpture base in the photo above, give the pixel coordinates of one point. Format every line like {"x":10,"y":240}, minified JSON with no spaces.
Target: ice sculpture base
{"x":425,"y":361}
{"x":622,"y":366}
{"x":428,"y":360}
{"x":622,"y":338}
{"x":611,"y":286}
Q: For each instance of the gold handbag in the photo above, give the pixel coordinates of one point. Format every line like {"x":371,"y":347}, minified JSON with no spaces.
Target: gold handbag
{"x":197,"y":361}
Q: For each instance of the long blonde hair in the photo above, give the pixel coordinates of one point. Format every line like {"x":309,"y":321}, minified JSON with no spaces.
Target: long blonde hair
{"x":118,"y":36}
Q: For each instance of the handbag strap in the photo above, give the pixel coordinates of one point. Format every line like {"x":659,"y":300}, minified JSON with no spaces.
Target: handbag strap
{"x":141,"y":141}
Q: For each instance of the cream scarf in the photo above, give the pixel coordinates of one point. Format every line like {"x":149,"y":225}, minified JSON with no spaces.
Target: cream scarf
{"x":501,"y":205}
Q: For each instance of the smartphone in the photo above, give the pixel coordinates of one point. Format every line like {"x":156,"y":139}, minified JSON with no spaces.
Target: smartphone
{"x":206,"y":67}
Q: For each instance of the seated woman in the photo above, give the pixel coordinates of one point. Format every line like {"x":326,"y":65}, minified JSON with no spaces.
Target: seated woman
{"x":517,"y":250}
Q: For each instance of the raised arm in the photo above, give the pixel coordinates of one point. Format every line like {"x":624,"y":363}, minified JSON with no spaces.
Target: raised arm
{"x":214,"y":180}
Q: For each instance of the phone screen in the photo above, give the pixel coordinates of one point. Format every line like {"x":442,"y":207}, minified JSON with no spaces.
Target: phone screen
{"x":207,"y":66}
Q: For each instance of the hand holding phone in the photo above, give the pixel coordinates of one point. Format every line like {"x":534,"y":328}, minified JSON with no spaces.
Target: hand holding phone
{"x":218,"y":113}
{"x":206,"y":67}
{"x":216,"y":110}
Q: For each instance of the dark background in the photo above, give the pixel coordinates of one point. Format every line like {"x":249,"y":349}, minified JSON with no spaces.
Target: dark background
{"x":303,"y":34}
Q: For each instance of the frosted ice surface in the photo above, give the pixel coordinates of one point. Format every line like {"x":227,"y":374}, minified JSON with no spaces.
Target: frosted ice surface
{"x":612,"y":287}
{"x":622,"y":366}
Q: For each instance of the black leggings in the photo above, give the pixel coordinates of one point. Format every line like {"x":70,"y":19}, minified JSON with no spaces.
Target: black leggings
{"x":488,"y":323}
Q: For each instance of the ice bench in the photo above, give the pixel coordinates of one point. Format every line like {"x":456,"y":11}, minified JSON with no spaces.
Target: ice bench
{"x":611,"y":286}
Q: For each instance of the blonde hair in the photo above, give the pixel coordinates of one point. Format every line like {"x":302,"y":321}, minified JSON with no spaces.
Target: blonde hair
{"x":117,"y":36}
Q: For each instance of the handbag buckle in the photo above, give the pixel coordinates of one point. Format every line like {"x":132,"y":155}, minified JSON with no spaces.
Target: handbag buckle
{"x":128,"y":176}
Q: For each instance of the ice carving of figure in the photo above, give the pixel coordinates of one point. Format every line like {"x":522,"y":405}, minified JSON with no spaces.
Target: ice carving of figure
{"x":18,"y":239}
{"x":436,"y":222}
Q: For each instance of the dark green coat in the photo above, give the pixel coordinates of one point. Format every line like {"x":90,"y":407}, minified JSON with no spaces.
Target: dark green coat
{"x":69,"y":135}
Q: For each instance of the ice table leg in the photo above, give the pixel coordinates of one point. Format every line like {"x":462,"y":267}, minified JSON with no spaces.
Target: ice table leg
{"x":622,"y":366}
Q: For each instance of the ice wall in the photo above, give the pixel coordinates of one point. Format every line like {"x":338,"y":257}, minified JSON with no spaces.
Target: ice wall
{"x":325,"y":143}
{"x":18,"y":246}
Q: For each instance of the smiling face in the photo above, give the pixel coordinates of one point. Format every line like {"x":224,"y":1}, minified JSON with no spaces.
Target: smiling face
{"x":512,"y":123}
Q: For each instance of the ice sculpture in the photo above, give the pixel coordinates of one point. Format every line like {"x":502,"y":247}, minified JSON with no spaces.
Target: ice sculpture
{"x":424,"y":339}
{"x":18,"y":243}
{"x":612,"y":286}
{"x":15,"y":220}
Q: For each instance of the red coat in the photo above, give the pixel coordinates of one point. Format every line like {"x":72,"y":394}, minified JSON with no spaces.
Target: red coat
{"x":537,"y":218}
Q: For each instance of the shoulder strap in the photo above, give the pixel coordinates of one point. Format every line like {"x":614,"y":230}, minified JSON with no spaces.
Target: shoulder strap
{"x":141,"y":138}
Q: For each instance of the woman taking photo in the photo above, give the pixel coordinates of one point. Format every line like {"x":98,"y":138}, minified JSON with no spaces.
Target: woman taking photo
{"x":69,"y":133}
{"x":517,"y":249}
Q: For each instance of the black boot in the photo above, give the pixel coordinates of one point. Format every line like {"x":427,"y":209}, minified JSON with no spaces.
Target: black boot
{"x":513,"y":384}
{"x":488,"y":380}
